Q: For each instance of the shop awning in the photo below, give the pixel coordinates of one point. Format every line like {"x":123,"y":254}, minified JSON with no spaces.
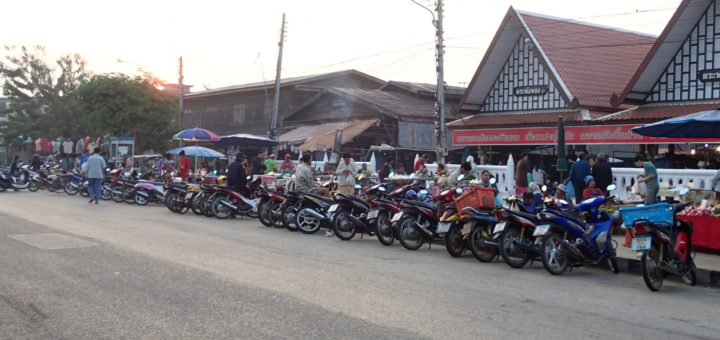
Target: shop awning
{"x":323,"y":137}
{"x":580,"y":135}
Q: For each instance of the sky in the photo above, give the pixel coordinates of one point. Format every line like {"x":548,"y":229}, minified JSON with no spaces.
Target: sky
{"x":235,"y":42}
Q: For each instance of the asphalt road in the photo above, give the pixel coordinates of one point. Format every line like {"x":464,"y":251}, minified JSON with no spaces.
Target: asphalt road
{"x":77,"y":271}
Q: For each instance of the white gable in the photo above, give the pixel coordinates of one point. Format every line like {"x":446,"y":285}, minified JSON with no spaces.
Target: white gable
{"x":694,"y":72}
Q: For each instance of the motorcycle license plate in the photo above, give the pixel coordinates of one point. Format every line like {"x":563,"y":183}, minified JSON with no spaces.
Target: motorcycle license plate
{"x":373,"y":214}
{"x":500,"y":226}
{"x":541,"y":230}
{"x":333,"y":208}
{"x":443,"y":227}
{"x":188,"y":195}
{"x":641,"y":243}
{"x":397,"y":217}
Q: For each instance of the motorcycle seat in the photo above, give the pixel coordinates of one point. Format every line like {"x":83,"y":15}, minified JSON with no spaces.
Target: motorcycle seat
{"x":523,"y":215}
{"x":420,"y":204}
{"x":322,"y":198}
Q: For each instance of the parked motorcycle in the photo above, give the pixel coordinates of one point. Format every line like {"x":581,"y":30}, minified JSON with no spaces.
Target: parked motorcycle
{"x":21,"y":180}
{"x":228,"y":202}
{"x":418,"y":222}
{"x":664,"y":241}
{"x":516,"y":241}
{"x":384,"y":208}
{"x":571,"y":240}
{"x":350,"y":214}
{"x":268,"y":208}
{"x":462,"y":223}
{"x":145,"y":192}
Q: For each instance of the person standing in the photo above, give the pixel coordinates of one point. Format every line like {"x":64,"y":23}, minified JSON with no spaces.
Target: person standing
{"x":305,"y":182}
{"x":258,"y":167}
{"x":578,"y":172}
{"x":15,"y":165}
{"x":346,"y":179}
{"x":650,"y":179}
{"x":521,"y":175}
{"x":237,"y":178}
{"x":95,"y":168}
{"x":602,"y":172}
{"x":270,"y":164}
{"x":35,"y":163}
{"x":539,"y":174}
{"x":386,"y":170}
{"x":183,"y":166}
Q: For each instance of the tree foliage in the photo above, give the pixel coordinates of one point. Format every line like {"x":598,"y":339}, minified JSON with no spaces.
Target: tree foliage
{"x":43,"y":100}
{"x":119,"y":105}
{"x":64,"y":100}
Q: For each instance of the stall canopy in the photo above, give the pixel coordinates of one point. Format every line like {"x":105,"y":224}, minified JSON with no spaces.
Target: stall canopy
{"x":246,"y":139}
{"x":703,"y":124}
{"x":322,"y":137}
{"x":197,"y":151}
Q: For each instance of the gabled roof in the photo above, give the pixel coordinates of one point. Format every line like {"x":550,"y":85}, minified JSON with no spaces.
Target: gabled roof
{"x":659,"y":111}
{"x":391,"y":103}
{"x":586,"y":62}
{"x":422,"y":89}
{"x":525,"y":118}
{"x":666,"y":46}
{"x":283,"y":82}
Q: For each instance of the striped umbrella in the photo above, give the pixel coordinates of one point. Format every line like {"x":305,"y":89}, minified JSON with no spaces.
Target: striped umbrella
{"x":196,"y":135}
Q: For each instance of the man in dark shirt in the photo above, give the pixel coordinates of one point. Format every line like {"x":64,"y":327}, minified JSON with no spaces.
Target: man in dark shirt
{"x":578,"y":172}
{"x":237,"y":178}
{"x":601,"y":172}
{"x":258,"y":164}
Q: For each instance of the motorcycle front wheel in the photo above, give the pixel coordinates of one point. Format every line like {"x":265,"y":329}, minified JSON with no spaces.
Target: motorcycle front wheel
{"x":650,"y":268}
{"x":106,"y":194}
{"x":220,"y":210}
{"x":344,"y":228}
{"x":71,"y":189}
{"x":455,"y":241}
{"x":140,"y":199}
{"x":409,"y":234}
{"x":34,"y":185}
{"x":555,"y":259}
{"x":265,"y":211}
{"x":288,"y":218}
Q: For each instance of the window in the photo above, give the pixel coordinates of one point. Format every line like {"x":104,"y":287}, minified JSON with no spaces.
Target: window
{"x":239,"y":114}
{"x":188,"y":111}
{"x":211,"y":109}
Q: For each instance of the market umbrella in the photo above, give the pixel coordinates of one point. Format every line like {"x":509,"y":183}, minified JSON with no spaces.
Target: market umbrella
{"x":246,"y":139}
{"x":197,"y":151}
{"x":703,"y":124}
{"x":561,"y":164}
{"x":196,"y":135}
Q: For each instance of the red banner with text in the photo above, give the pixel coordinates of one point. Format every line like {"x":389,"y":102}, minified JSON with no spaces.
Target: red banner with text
{"x":592,"y":134}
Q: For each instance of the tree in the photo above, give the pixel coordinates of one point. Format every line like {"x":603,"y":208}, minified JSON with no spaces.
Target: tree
{"x":119,"y":105}
{"x":43,"y":100}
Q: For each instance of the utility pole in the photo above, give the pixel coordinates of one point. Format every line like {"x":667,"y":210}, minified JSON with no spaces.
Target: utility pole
{"x":181,"y":90}
{"x":440,"y":96}
{"x":276,"y":101}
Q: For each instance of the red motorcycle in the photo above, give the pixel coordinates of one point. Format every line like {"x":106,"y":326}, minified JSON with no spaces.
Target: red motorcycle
{"x":418,"y":221}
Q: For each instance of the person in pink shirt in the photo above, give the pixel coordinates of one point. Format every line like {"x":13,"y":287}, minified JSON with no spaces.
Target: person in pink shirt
{"x":591,"y":191}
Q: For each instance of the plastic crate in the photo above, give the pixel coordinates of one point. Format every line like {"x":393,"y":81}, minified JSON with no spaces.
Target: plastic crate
{"x":660,"y":213}
{"x":477,"y":198}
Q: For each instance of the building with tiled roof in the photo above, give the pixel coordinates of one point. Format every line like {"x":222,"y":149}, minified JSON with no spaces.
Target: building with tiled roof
{"x":681,"y":73}
{"x":538,"y":68}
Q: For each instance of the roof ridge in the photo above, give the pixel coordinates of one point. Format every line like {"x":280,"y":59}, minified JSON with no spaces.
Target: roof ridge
{"x":585,"y":23}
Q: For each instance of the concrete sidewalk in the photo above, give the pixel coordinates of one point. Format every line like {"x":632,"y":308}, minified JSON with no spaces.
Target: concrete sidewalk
{"x":708,"y":265}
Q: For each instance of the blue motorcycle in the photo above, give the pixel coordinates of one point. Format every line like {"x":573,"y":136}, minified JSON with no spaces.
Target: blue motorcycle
{"x":578,"y":237}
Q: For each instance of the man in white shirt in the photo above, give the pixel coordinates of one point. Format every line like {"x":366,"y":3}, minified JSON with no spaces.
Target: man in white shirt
{"x":346,"y":179}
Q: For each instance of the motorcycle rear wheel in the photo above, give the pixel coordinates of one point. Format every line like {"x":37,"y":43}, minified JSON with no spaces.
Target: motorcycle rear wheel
{"x":129,"y":195}
{"x":555,"y":260}
{"x":409,"y":235}
{"x":288,"y":218}
{"x":117,"y":194}
{"x":384,"y":229}
{"x":70,"y":189}
{"x":195,"y":204}
{"x":140,"y":199}
{"x":514,"y":257}
{"x":106,"y":194}
{"x":34,"y":185}
{"x":344,"y":228}
{"x":220,"y":210}
{"x":455,"y":242}
{"x":306,"y":222}
{"x":481,"y":251}
{"x":265,"y":211}
{"x":650,"y":268}
{"x":170,"y":201}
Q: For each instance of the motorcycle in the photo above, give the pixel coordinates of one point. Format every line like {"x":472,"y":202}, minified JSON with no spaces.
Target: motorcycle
{"x":351,"y":214}
{"x":569,"y":240}
{"x":228,"y":202}
{"x":462,"y":223}
{"x":385,"y":206}
{"x":268,"y":208}
{"x":418,"y":222}
{"x":145,"y":192}
{"x":516,"y":241}
{"x":21,"y":180}
{"x":664,"y":241}
{"x":312,"y":212}
{"x":73,"y":183}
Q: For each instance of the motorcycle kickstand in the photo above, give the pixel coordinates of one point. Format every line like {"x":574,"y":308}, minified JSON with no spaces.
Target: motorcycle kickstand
{"x":361,"y":235}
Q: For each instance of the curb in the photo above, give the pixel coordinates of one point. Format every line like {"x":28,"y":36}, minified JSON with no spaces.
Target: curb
{"x":705,"y":277}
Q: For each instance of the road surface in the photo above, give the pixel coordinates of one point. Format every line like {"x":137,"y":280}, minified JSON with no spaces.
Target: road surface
{"x":77,"y":271}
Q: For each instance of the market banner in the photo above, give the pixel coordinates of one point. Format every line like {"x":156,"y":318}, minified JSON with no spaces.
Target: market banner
{"x":590,"y":134}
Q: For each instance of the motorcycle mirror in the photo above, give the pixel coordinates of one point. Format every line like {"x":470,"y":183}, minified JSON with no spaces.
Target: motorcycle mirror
{"x":493,"y":180}
{"x":544,"y":188}
{"x":357,"y":186}
{"x":611,"y":187}
{"x":381,"y":189}
{"x":458,"y":191}
{"x":683,"y":191}
{"x":460,"y":177}
{"x":423,"y":192}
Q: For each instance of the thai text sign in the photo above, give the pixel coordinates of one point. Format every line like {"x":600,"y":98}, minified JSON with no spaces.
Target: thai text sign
{"x":709,"y":75}
{"x":592,"y":134}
